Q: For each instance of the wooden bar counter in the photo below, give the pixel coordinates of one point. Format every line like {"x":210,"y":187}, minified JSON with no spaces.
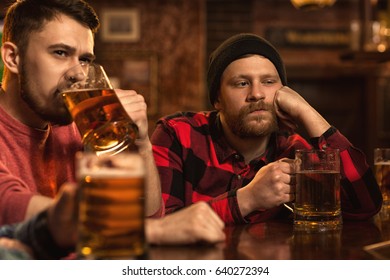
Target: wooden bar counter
{"x":277,"y":240}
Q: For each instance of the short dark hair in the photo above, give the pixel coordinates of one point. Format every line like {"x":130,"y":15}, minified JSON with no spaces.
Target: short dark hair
{"x":26,"y":16}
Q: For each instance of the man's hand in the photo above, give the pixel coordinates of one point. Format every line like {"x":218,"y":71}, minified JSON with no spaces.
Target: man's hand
{"x":273,"y":185}
{"x":293,"y":110}
{"x":136,"y":108}
{"x":196,"y":223}
{"x":287,"y":104}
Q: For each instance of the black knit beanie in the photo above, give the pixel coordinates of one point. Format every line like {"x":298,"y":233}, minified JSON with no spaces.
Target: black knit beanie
{"x":234,"y":48}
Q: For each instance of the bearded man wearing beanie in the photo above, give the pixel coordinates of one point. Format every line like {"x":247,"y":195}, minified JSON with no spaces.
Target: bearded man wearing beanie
{"x":236,"y":157}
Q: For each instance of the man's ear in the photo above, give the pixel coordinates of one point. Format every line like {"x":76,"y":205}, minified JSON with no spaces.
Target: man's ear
{"x":217,"y":104}
{"x":10,"y":55}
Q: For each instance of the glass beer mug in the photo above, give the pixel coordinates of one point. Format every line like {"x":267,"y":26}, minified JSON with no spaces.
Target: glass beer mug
{"x":317,"y":199}
{"x":111,"y":206}
{"x":103,"y":123}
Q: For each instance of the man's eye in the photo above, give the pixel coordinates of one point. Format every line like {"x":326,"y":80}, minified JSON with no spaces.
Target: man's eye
{"x":85,"y":61}
{"x":269,"y":82}
{"x":60,"y":53}
{"x":242,"y":83}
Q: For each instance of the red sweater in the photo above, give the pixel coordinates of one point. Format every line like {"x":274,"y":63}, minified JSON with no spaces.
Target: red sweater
{"x":33,"y":161}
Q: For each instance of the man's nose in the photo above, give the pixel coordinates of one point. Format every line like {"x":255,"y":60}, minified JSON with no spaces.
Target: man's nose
{"x":256,"y":93}
{"x":76,"y":73}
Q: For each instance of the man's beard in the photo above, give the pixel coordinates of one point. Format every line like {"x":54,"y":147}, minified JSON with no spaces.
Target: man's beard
{"x":57,"y":114}
{"x":255,"y":127}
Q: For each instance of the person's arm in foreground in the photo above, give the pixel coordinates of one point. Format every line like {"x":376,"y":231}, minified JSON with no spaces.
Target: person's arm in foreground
{"x":196,"y":223}
{"x":52,"y":234}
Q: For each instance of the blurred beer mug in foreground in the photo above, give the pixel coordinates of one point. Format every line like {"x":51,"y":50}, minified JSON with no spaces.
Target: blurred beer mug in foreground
{"x":317,"y":199}
{"x":104,"y":125}
{"x":111,"y":206}
{"x":382,"y":173}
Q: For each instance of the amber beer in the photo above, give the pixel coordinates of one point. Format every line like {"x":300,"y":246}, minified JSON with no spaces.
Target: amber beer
{"x":382,"y":175}
{"x":317,"y":197}
{"x":111,"y":209}
{"x":103,"y":123}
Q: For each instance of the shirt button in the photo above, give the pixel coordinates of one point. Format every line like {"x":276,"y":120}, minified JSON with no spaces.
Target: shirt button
{"x":237,"y":156}
{"x":239,"y":177}
{"x":324,"y":146}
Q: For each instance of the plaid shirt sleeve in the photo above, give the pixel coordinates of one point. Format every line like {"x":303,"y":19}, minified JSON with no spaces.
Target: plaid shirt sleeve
{"x":360,"y":194}
{"x":167,"y":154}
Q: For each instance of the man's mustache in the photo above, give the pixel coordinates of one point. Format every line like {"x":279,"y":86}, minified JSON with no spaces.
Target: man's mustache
{"x":260,"y":105}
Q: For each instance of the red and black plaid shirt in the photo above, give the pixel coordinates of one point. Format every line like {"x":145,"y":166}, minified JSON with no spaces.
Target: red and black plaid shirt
{"x":195,"y":163}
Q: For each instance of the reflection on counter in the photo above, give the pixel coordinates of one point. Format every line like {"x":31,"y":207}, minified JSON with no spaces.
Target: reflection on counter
{"x":277,"y":240}
{"x":309,"y":244}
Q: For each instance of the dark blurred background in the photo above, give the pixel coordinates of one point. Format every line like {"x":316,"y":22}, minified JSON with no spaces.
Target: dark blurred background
{"x":336,"y":57}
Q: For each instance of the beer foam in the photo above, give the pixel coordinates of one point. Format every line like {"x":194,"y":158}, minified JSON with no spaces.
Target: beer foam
{"x":119,"y":166}
{"x":110,"y":173}
{"x":387,"y":162}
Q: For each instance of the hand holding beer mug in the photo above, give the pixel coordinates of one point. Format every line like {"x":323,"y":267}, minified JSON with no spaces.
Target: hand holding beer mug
{"x":382,"y":173}
{"x":104,"y":125}
{"x":111,"y":208}
{"x":317,"y":198}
